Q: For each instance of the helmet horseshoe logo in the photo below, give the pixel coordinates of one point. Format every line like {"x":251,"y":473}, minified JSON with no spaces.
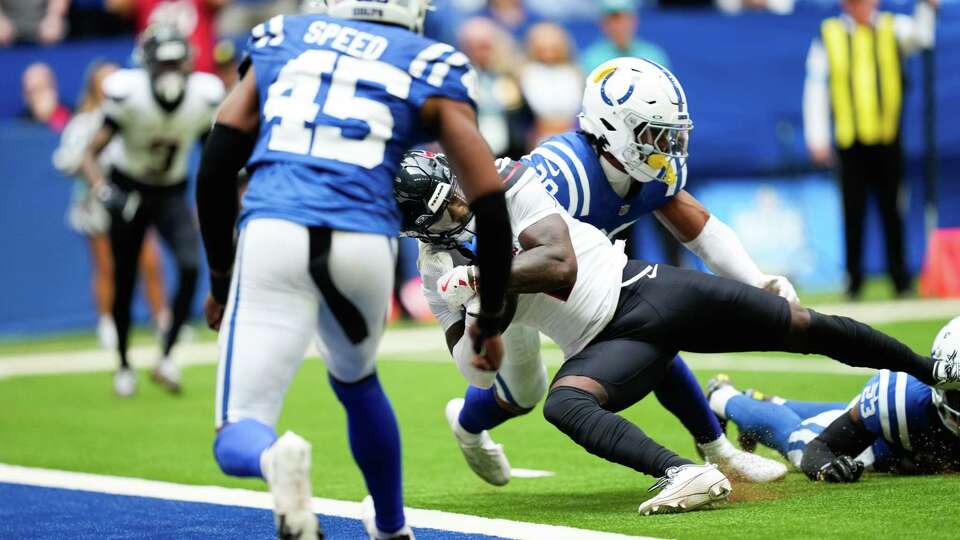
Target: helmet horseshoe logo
{"x":603,"y":91}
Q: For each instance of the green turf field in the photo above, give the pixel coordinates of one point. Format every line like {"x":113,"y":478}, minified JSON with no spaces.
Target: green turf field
{"x":73,"y":422}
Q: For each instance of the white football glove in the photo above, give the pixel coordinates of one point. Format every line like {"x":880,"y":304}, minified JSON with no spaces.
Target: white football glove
{"x":458,"y":285}
{"x":781,"y":287}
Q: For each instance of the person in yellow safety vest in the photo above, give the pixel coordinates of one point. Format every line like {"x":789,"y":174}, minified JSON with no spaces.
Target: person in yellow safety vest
{"x":855,"y":74}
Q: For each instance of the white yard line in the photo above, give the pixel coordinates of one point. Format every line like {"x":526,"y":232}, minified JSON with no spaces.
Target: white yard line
{"x":432,"y":519}
{"x":427,"y":344}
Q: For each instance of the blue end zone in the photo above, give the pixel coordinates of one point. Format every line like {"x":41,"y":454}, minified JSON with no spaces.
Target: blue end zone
{"x":40,"y":513}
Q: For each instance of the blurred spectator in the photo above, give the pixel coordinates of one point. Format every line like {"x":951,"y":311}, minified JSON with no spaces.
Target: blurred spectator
{"x":87,"y":216}
{"x":855,"y":74}
{"x":39,"y":21}
{"x":732,"y":7}
{"x":502,"y":114}
{"x":619,"y":23}
{"x":41,"y":97}
{"x":242,"y":15}
{"x":512,"y":15}
{"x":89,"y":18}
{"x":193,"y":18}
{"x":551,"y":82}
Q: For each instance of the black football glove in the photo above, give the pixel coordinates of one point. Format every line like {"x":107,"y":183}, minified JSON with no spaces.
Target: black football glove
{"x":117,"y":201}
{"x":842,"y":469}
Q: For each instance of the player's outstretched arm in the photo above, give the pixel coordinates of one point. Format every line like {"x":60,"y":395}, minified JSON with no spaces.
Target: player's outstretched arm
{"x":831,"y":455}
{"x":456,"y":127}
{"x":717,"y":245}
{"x":227,"y":149}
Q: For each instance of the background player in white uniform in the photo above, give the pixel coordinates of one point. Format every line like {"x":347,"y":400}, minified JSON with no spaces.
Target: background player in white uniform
{"x":321,"y":117}
{"x":616,"y":351}
{"x":156,"y":114}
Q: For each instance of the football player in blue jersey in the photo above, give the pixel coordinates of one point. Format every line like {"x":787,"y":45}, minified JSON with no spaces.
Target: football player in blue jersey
{"x":628,"y":160}
{"x":326,"y":105}
{"x":896,"y":424}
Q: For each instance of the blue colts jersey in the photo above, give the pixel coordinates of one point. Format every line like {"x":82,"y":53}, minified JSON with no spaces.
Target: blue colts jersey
{"x":570,"y":170}
{"x":897,"y":408}
{"x":340,"y":103}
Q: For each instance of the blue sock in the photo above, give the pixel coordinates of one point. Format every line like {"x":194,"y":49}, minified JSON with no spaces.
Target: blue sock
{"x":808,"y":409}
{"x":680,"y":393}
{"x":238,"y":446}
{"x":481,"y":410}
{"x":375,"y":443}
{"x":769,"y":423}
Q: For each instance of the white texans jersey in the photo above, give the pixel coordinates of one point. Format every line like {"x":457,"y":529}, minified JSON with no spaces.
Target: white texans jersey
{"x":155,"y":144}
{"x":572,"y":317}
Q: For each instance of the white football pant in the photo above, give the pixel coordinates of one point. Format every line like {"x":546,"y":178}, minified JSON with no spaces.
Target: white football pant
{"x":291,"y":283}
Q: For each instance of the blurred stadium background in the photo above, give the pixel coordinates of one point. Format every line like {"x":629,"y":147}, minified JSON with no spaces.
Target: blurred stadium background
{"x":743,"y":74}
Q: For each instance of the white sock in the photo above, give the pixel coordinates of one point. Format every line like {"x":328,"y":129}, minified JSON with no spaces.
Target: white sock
{"x":472,"y":439}
{"x":718,"y":448}
{"x":719,"y":399}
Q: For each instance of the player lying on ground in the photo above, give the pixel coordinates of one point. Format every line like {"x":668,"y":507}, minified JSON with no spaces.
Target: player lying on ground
{"x":157,"y":114}
{"x":896,"y":424}
{"x":321,"y":118}
{"x":627,"y":160}
{"x":619,"y":323}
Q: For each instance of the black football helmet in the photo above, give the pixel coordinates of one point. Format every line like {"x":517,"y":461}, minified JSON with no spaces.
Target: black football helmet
{"x":424,"y":187}
{"x":165,"y":54}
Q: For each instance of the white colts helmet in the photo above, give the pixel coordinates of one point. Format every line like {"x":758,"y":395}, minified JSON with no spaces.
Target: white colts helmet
{"x":947,"y":346}
{"x":638,"y":112}
{"x":406,"y":13}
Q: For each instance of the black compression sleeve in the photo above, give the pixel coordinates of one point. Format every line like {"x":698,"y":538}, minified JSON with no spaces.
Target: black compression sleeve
{"x":226,"y":152}
{"x":494,"y":254}
{"x":843,"y":437}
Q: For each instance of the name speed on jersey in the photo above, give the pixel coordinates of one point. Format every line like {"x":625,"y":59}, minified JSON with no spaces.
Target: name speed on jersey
{"x":362,"y":126}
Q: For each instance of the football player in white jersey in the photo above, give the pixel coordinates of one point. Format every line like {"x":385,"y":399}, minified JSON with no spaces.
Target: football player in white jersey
{"x":156,"y":114}
{"x":619,"y":323}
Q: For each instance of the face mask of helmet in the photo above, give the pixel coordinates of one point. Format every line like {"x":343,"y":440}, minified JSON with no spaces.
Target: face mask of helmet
{"x":169,"y":85}
{"x":947,"y":403}
{"x":425,"y":190}
{"x":657,"y":152}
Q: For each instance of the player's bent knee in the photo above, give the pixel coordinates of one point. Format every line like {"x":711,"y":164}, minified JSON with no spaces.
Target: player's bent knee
{"x":238,"y":447}
{"x":566,"y":405}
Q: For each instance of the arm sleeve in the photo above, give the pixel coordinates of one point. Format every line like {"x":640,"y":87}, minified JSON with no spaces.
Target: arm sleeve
{"x":224,"y":154}
{"x":918,"y":32}
{"x":816,"y":98}
{"x":720,"y":249}
{"x":76,"y":136}
{"x":843,"y":437}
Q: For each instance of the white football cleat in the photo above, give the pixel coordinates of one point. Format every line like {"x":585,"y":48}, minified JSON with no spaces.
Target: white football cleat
{"x":485,"y":457}
{"x":167,"y":374}
{"x":739,"y":465}
{"x":687,"y":488}
{"x":368,"y":516}
{"x":125,"y":382}
{"x":107,"y":333}
{"x":286,"y":467}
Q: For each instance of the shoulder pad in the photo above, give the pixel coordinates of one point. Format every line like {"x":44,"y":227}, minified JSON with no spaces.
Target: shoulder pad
{"x":208,"y":86}
{"x":120,"y":84}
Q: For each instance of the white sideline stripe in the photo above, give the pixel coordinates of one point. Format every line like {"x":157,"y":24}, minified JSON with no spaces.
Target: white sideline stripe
{"x":432,"y":519}
{"x":429,"y":342}
{"x":530,"y":473}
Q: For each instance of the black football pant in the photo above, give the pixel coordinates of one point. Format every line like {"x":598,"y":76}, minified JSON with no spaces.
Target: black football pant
{"x":166,"y":209}
{"x":877,"y":169}
{"x":663,"y":310}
